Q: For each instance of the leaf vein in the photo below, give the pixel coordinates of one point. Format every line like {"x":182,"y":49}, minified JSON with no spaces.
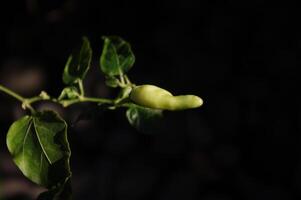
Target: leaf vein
{"x":23,"y":145}
{"x":40,"y":142}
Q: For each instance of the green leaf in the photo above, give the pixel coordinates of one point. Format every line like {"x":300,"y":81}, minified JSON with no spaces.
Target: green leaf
{"x":124,"y":93}
{"x":117,"y":57}
{"x":69,"y":93}
{"x":111,"y":81}
{"x":145,"y":120}
{"x":78,"y":63}
{"x":39,"y":147}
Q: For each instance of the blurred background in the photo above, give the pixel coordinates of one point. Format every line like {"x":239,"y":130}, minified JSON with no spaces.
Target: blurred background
{"x":241,"y":58}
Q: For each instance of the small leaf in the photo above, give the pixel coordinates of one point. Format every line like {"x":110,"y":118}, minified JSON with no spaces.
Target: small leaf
{"x":124,"y":93}
{"x":146,"y":120}
{"x":112,"y":81}
{"x":78,"y":63}
{"x":117,"y":57}
{"x":39,"y":147}
{"x":69,"y":93}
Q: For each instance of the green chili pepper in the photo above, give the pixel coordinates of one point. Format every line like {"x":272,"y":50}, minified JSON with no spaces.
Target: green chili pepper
{"x":154,"y":97}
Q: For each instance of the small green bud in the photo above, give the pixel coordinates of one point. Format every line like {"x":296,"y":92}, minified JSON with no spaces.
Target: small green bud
{"x":44,"y":95}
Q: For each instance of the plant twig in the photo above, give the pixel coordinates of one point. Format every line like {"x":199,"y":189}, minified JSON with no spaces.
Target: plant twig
{"x":24,"y":101}
{"x":11,"y":93}
{"x":67,"y":103}
{"x":81,"y":87}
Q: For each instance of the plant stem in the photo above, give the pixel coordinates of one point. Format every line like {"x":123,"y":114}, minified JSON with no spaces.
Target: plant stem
{"x":127,"y":80}
{"x":81,"y":87}
{"x":97,"y":100}
{"x":121,"y":77}
{"x":12,"y":93}
{"x":67,"y":103}
{"x":24,"y":101}
{"x":34,"y":99}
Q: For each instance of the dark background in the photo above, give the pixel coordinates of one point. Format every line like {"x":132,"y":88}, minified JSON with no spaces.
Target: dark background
{"x":241,"y":58}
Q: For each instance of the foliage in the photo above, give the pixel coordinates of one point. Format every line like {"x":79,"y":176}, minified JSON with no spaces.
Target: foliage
{"x":38,"y":142}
